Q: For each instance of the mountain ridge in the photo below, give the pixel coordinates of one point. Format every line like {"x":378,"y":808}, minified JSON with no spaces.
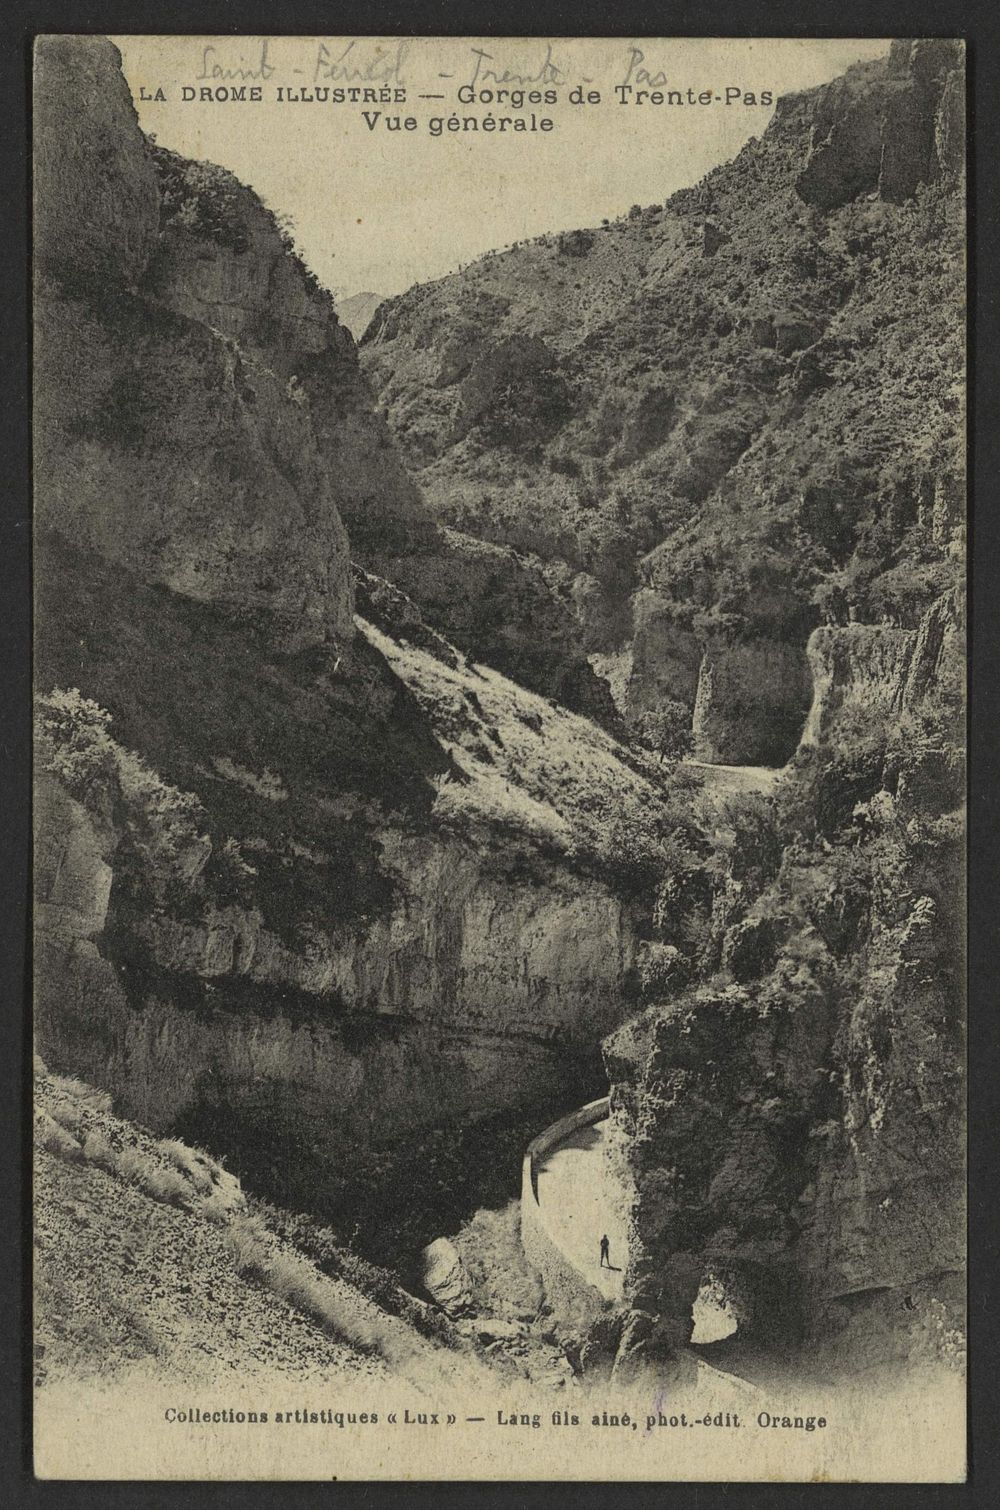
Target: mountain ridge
{"x":634,"y":403}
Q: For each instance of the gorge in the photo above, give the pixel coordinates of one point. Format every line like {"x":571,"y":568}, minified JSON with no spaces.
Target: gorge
{"x":355,"y":862}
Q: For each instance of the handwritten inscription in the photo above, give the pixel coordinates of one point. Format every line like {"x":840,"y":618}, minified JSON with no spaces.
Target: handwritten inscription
{"x":366,"y":71}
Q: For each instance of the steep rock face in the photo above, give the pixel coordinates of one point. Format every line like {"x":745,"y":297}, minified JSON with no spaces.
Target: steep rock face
{"x":72,"y":874}
{"x":498,"y":608}
{"x":476,"y":993}
{"x":713,"y":1098}
{"x":859,"y":671}
{"x":750,"y":703}
{"x":96,"y":177}
{"x":939,"y":646}
{"x":747,"y":701}
{"x":866,"y":675}
{"x":222,"y":260}
{"x":891,"y":136}
{"x":146,"y":414}
{"x":794,"y":1125}
{"x":366,"y":896}
{"x":665,"y":658}
{"x":143,"y":419}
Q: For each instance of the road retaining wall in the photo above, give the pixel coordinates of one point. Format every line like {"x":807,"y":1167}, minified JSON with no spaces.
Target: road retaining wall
{"x":567,"y":1292}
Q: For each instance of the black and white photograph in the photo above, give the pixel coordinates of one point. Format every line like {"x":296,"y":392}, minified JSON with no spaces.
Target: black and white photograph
{"x":499,"y":571}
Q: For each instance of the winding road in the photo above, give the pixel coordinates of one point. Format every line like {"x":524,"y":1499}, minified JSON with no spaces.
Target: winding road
{"x":579,"y":1201}
{"x":726,"y":779}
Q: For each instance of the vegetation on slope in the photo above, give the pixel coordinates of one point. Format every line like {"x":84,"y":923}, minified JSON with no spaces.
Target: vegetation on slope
{"x":795,"y":1119}
{"x":751,"y":399}
{"x":190,"y":1280}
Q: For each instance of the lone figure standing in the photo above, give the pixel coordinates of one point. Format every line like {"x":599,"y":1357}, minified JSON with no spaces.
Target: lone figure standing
{"x":605,"y":1252}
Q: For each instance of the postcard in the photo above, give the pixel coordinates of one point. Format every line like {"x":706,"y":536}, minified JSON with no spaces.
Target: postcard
{"x":499,"y":573}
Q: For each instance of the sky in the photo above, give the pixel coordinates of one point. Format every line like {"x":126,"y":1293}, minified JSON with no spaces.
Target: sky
{"x":378,"y":210}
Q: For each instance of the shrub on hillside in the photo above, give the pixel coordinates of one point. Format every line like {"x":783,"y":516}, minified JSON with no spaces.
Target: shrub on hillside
{"x":201,"y":197}
{"x":666,"y":731}
{"x":74,"y":743}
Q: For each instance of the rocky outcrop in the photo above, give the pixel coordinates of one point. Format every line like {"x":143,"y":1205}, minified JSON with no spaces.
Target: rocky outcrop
{"x":799,"y":1152}
{"x":96,"y":200}
{"x":666,"y":659}
{"x":356,"y":312}
{"x":222,"y":260}
{"x":794,"y":1125}
{"x":865,"y":675}
{"x":859,"y":671}
{"x":143,"y":417}
{"x":157,"y":388}
{"x":497,"y":607}
{"x":716,"y":1153}
{"x":750,"y":703}
{"x":938,"y":647}
{"x":888,"y":133}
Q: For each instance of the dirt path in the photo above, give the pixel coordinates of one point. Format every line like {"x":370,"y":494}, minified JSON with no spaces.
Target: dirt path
{"x":725,"y":779}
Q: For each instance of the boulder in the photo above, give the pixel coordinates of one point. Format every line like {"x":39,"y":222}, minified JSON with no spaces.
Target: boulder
{"x":446,"y":1279}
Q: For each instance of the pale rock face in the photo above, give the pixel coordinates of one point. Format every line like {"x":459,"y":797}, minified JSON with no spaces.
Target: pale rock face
{"x":857,"y":669}
{"x":72,"y":873}
{"x":357,"y":312}
{"x":476,"y":995}
{"x":872,"y":672}
{"x":665,"y":658}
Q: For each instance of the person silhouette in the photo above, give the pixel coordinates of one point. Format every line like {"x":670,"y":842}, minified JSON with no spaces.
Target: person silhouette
{"x":605,"y":1252}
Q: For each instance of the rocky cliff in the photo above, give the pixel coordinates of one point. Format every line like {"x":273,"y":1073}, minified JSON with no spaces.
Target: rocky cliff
{"x":356,"y":312}
{"x":307,"y":882}
{"x":746,"y":402}
{"x":362,"y":896}
{"x":147,"y":406}
{"x":874,"y":675}
{"x":184,"y":352}
{"x":794,"y":1124}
